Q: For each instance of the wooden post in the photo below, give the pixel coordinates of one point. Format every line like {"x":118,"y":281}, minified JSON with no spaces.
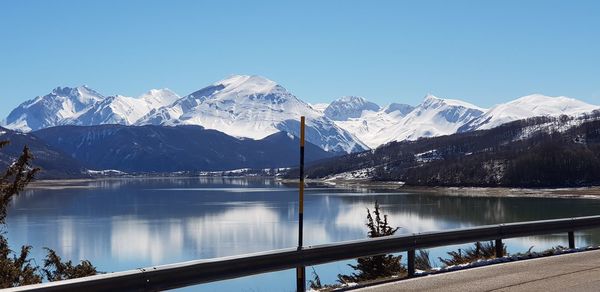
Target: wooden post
{"x":411,"y":263}
{"x":571,"y":240}
{"x":499,"y":248}
{"x":301,"y":271}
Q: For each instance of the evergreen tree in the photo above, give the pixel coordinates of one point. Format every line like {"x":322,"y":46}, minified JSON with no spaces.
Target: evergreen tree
{"x":379,"y":266}
{"x":18,"y":270}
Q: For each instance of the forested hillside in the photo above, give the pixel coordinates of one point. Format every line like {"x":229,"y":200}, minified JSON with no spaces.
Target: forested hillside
{"x":537,"y":152}
{"x":53,"y":162}
{"x":161,"y":149}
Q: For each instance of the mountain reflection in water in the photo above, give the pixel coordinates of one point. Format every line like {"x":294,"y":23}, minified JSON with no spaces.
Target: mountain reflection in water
{"x":122,"y":224}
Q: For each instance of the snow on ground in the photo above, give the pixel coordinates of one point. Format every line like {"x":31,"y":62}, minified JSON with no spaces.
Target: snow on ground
{"x":560,"y":124}
{"x":428,"y":156}
{"x":365,"y":173}
{"x":320,"y":107}
{"x":246,"y":172}
{"x":106,"y":172}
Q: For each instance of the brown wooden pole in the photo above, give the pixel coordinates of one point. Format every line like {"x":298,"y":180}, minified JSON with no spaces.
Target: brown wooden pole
{"x":301,"y":271}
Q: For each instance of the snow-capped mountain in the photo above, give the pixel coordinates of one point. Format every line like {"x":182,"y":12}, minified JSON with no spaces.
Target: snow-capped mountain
{"x":433,"y":117}
{"x":534,"y":105}
{"x":397,"y":122}
{"x":63,"y":103}
{"x":84,"y":106}
{"x":124,"y":110}
{"x":253,"y":107}
{"x":348,"y":107}
{"x":366,"y":120}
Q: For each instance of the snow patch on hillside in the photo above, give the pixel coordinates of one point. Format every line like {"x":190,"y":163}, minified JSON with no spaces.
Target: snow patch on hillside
{"x":529,"y":106}
{"x":359,"y":174}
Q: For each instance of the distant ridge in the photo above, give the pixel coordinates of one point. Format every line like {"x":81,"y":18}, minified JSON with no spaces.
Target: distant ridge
{"x":161,"y":149}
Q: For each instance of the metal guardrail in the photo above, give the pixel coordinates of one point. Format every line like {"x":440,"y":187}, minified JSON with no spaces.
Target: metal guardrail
{"x":202,"y":271}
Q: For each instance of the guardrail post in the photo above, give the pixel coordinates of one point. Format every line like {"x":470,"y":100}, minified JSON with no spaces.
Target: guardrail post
{"x":411,"y":263}
{"x":300,"y":279}
{"x":499,"y":248}
{"x":571,"y":239}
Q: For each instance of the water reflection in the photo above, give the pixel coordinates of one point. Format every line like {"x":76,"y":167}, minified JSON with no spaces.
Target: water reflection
{"x":127,"y":223}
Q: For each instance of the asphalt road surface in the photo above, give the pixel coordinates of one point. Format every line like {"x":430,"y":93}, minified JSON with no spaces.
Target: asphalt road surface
{"x":570,"y":272}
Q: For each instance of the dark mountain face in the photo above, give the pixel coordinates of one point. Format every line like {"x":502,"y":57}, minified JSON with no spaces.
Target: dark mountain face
{"x":53,"y":162}
{"x":168,"y":149}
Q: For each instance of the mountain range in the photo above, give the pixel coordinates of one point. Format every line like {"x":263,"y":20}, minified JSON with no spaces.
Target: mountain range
{"x":255,"y":107}
{"x":535,"y":152}
{"x":240,"y":106}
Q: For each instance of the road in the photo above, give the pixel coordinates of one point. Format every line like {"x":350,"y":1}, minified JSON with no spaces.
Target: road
{"x":570,"y":272}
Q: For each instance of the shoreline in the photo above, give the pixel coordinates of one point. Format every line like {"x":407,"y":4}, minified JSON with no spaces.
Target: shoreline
{"x":592,"y":192}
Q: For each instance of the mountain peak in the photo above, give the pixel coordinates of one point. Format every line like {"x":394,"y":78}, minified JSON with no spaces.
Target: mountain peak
{"x":543,"y":104}
{"x":431,"y":99}
{"x":247,"y":84}
{"x":51,"y":109}
{"x":159,"y":91}
{"x":402,"y":109}
{"x":430,"y":96}
{"x":162,"y":97}
{"x":347,"y":107}
{"x":537,"y":97}
{"x":82,"y":90}
{"x":352,"y":98}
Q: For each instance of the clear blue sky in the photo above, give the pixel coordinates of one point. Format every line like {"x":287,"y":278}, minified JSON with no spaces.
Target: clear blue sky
{"x":484,"y":52}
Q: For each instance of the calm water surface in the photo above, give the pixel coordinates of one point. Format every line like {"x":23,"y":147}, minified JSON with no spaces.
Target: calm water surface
{"x":123,"y":224}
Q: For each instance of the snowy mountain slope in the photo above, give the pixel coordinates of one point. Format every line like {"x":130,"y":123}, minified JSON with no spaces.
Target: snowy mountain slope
{"x":320,"y":107}
{"x":398,"y":109}
{"x":84,"y":106}
{"x":526,"y":107}
{"x":365,"y":119}
{"x":157,"y":98}
{"x":555,"y":124}
{"x":433,"y":117}
{"x":370,"y":127}
{"x":53,"y":109}
{"x":347,"y":107}
{"x":252,"y":107}
{"x":397,"y":122}
{"x":124,"y":110}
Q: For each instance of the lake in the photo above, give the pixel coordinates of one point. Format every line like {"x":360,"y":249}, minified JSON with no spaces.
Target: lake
{"x":121,"y":224}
